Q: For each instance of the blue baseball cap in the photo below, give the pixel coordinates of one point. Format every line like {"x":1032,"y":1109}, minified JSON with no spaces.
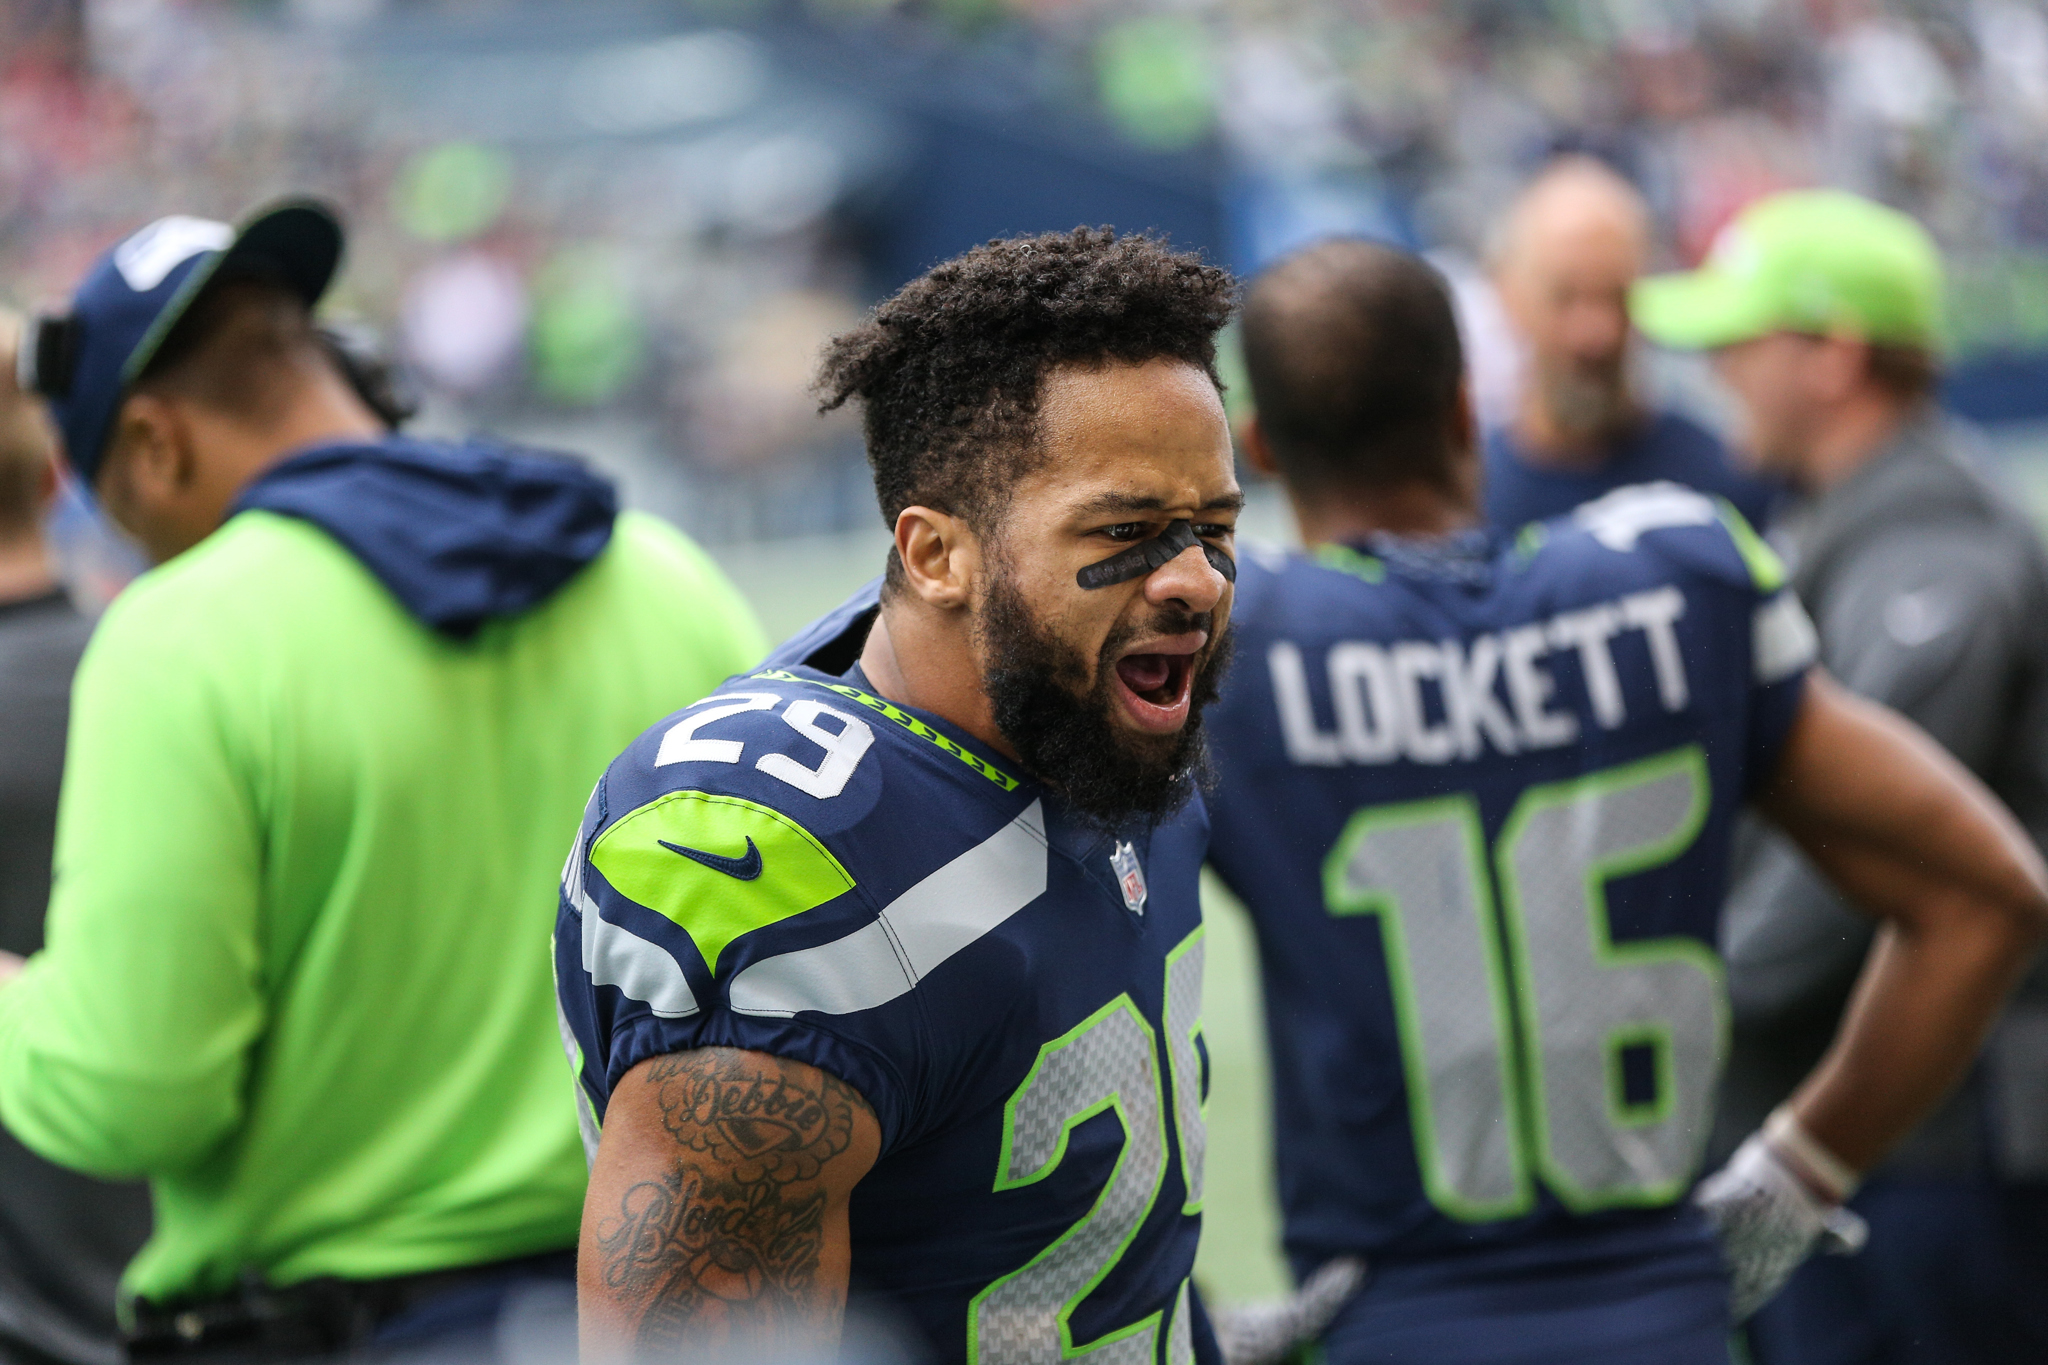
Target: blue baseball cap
{"x":83,"y":363}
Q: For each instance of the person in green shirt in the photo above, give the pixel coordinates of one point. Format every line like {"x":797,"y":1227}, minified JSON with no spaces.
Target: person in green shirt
{"x":323,"y":763}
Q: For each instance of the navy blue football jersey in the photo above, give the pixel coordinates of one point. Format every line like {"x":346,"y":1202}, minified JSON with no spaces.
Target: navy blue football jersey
{"x":1478,"y":797}
{"x":799,"y":867}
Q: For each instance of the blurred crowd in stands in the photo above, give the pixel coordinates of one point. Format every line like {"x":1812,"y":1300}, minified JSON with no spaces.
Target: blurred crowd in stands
{"x":626,"y":231}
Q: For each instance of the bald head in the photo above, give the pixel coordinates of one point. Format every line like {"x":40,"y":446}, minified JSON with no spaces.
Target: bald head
{"x":1573,"y":203}
{"x":1566,"y":254}
{"x":1356,"y":368}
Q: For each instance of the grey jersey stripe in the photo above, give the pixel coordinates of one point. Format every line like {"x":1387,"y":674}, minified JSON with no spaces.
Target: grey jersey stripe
{"x":1783,"y":638}
{"x":918,"y":930}
{"x":586,"y":1117}
{"x":616,"y":956}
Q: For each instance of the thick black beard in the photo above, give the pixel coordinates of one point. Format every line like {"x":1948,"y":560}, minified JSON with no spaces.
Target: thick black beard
{"x":1058,"y":713}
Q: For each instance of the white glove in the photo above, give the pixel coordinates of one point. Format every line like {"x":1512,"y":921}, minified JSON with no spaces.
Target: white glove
{"x":1264,"y":1333}
{"x":1770,"y":1221}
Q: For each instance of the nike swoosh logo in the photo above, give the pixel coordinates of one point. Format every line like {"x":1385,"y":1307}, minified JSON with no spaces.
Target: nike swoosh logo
{"x":746,"y":867}
{"x":1915,"y":618}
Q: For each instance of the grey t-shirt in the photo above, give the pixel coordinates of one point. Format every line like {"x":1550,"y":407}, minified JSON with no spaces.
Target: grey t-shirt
{"x":64,"y":1239}
{"x":1930,"y":594}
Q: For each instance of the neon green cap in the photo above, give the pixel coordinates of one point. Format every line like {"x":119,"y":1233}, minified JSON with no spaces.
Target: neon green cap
{"x":1816,"y":261}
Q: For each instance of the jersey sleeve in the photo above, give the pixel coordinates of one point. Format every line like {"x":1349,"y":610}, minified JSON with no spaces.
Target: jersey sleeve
{"x":1783,"y":648}
{"x":720,"y":840}
{"x":1720,"y":556}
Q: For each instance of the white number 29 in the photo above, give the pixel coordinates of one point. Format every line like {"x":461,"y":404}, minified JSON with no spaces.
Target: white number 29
{"x":843,"y":748}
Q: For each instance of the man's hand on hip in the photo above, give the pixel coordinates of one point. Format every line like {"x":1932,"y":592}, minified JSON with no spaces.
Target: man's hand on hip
{"x":1772,"y":1213}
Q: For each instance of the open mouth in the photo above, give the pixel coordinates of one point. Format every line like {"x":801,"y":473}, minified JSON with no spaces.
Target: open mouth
{"x":1155,"y":689}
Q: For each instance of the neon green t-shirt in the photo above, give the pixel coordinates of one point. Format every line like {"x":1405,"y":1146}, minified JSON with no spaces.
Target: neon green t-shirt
{"x":307,"y":856}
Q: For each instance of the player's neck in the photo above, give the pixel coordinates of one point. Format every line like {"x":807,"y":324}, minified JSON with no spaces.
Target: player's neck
{"x":321,"y":411}
{"x":326,"y":412}
{"x":1417,"y":510}
{"x":916,"y":656}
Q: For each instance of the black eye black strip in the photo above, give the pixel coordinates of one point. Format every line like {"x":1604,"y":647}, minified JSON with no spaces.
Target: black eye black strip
{"x":1148,"y":556}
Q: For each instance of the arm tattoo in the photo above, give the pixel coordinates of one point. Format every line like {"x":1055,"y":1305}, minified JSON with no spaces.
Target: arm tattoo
{"x":723,"y":1248}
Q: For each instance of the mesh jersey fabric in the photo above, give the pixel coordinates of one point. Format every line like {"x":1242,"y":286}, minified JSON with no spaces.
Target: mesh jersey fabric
{"x":1477,"y":797}
{"x":924,"y":921}
{"x":307,"y":851}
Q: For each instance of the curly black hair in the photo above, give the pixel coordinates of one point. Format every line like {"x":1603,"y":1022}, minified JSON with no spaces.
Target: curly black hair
{"x":948,"y":370}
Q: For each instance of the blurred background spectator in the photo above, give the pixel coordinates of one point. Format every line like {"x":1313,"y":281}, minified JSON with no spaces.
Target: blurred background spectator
{"x":1567,"y":251}
{"x":1929,"y":593}
{"x":64,"y":1238}
{"x":613,"y":226}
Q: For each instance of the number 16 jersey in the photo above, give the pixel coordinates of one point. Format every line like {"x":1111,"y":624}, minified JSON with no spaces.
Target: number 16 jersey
{"x":1478,"y":799}
{"x":798,"y":867}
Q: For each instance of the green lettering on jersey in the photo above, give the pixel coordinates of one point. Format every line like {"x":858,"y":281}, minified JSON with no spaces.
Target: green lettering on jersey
{"x":719,"y":866}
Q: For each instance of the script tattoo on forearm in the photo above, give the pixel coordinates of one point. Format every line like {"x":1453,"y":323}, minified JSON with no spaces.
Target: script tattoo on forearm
{"x":723,"y":1249}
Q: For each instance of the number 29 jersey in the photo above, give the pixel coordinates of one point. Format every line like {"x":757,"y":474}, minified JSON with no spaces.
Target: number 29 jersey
{"x":798,"y":867}
{"x":1478,"y":799}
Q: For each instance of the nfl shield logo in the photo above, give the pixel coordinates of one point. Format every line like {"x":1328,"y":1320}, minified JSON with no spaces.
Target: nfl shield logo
{"x":1130,"y":878}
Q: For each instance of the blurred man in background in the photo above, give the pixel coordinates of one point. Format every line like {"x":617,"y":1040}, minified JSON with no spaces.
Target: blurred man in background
{"x":1930,"y":593}
{"x":1478,"y":792}
{"x":63,"y":1237}
{"x":1568,"y":251}
{"x":323,"y":758}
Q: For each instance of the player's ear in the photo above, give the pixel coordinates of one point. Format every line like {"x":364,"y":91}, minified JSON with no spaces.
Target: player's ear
{"x":1258,"y":451}
{"x":940,"y":554}
{"x":153,"y":447}
{"x":1464,"y":421}
{"x":129,"y":472}
{"x":1465,"y":476}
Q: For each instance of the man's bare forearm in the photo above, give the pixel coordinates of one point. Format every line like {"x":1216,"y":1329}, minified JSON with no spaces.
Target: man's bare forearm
{"x":716,"y":1219}
{"x":1911,"y":837}
{"x":1920,"y":1012}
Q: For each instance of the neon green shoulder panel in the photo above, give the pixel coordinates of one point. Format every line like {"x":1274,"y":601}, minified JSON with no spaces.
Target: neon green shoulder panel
{"x":718,"y":866}
{"x":1766,"y":570}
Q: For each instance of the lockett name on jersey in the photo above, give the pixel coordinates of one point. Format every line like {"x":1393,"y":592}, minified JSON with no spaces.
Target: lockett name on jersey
{"x":1478,"y":796}
{"x":1430,"y":701}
